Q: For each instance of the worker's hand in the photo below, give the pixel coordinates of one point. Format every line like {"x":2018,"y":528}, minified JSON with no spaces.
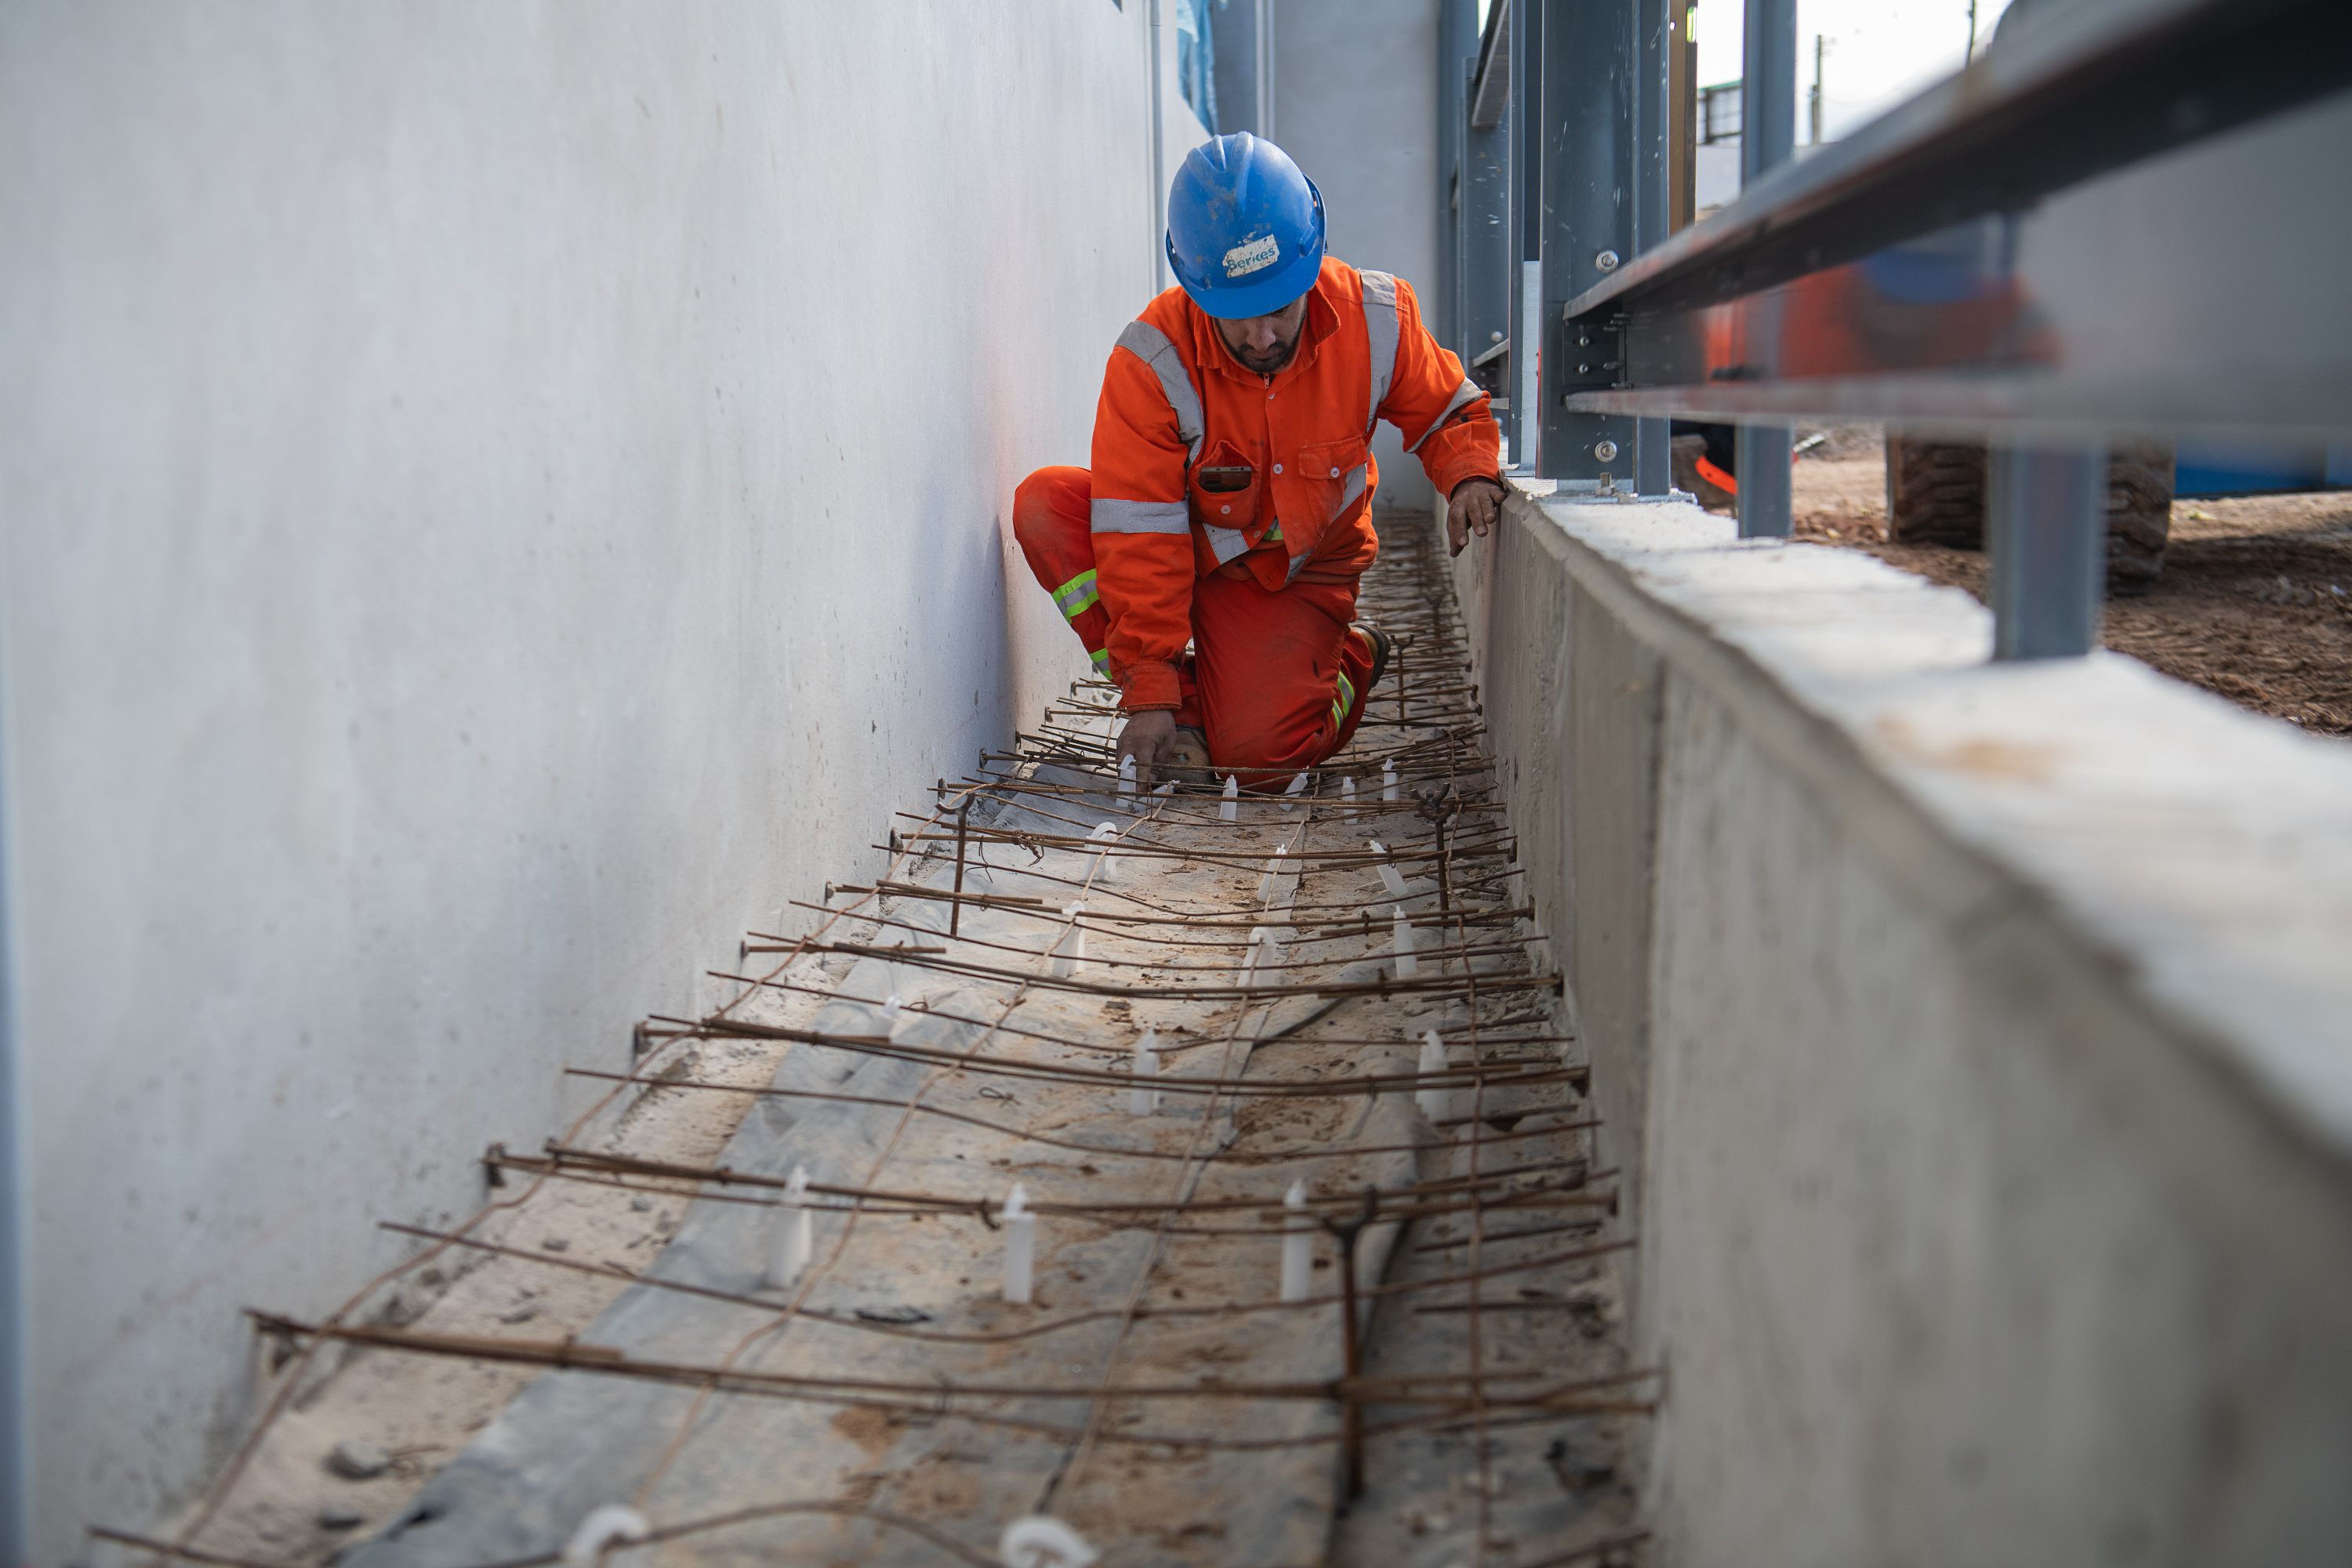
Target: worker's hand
{"x":1471,"y":508}
{"x":1146,"y":738}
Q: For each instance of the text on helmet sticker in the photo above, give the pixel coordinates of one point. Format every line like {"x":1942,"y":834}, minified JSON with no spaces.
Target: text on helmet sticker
{"x":1248,"y":257}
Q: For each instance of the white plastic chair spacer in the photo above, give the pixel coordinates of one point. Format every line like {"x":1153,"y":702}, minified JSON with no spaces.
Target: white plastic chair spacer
{"x":609,"y":1526}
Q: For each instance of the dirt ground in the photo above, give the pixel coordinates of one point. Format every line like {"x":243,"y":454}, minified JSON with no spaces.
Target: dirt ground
{"x":2254,"y":603}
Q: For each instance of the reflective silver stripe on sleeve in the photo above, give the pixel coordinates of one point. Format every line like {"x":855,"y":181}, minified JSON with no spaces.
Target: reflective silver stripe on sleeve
{"x":1137,"y":517}
{"x":1296,"y":562}
{"x":1462,"y":394}
{"x":1150,"y":344}
{"x":1224,"y":544}
{"x":1381,"y":327}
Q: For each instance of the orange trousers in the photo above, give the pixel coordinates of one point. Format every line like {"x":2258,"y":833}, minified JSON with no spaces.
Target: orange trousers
{"x":1277,"y":682}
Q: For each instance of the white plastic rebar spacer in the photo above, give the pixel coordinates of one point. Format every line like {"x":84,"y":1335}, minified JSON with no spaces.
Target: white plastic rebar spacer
{"x":1106,"y":866}
{"x":1290,"y":796}
{"x":1041,"y":1541}
{"x":1230,"y":810}
{"x":1126,"y":773}
{"x":1144,"y":1102}
{"x":1391,"y":878}
{"x":795,"y":1235}
{"x":1070,"y":948}
{"x":1269,"y":884}
{"x":1020,"y":1247}
{"x":891,"y":1007}
{"x":1388,"y":781}
{"x":1437,"y":1104}
{"x":1297,"y":1245}
{"x":1408,"y":967}
{"x":1347,"y":797}
{"x":603,"y":1529}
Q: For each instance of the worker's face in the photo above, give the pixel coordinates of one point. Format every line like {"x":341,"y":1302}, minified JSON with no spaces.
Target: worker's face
{"x":1264,"y":343}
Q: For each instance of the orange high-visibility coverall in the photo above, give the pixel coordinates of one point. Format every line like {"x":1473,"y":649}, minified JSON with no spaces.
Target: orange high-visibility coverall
{"x":1233,"y":511}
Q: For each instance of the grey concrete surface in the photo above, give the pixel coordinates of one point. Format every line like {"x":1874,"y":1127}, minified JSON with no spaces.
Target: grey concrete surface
{"x":1976,"y":1041}
{"x":498,"y":499}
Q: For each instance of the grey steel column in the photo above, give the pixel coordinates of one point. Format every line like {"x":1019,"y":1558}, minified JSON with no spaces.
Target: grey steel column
{"x":1527,"y":241}
{"x":1587,"y":103}
{"x":1767,"y":138}
{"x":2045,"y":527}
{"x":16,"y":1429}
{"x":1653,"y":98}
{"x":1457,"y":36}
{"x":1487,"y":261}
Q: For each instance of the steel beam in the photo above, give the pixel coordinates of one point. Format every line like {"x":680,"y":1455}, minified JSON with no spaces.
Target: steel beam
{"x":1768,"y":139}
{"x":1654,"y":52}
{"x":1484,"y":235}
{"x":1524,"y":22}
{"x":2045,"y":527}
{"x":1587,"y":107}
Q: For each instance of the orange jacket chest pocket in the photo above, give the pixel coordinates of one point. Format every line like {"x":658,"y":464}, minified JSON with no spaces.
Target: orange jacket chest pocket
{"x":1226,"y":487}
{"x":1330,"y":483}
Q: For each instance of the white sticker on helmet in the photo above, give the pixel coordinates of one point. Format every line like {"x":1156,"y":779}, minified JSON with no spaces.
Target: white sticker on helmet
{"x":1248,"y":258}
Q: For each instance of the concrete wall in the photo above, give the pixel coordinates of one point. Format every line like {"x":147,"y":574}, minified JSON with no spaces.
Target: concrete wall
{"x":1356,"y":104}
{"x":498,"y":499}
{"x":1974,"y":1042}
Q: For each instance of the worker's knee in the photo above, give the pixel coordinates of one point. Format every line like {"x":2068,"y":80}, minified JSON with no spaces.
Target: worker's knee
{"x":1050,"y":501}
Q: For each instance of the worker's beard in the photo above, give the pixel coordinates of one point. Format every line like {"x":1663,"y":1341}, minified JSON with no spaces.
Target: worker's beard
{"x":1268,"y":363}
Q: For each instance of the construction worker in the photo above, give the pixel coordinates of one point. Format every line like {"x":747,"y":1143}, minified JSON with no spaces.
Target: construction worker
{"x":1229,"y":504}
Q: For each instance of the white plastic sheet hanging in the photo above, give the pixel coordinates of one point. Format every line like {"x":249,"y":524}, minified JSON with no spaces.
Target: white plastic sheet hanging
{"x":1407,"y":965}
{"x":1391,"y":878}
{"x":1297,"y":1245}
{"x":1230,"y":810}
{"x":794,"y":1240}
{"x":1070,"y":950}
{"x":1020,"y":1247}
{"x":1106,"y":866}
{"x":1041,"y":1541}
{"x":605,"y":1528}
{"x":1144,"y":1102}
{"x":1437,"y":1104}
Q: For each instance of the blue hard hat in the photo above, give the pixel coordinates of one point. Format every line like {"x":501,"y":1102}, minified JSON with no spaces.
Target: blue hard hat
{"x":1245,"y":228}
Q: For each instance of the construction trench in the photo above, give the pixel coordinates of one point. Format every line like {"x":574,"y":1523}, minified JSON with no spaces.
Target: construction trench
{"x":1208,"y":1177}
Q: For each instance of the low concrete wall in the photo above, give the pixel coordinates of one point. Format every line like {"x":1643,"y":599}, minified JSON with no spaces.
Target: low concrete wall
{"x":1976,"y":1041}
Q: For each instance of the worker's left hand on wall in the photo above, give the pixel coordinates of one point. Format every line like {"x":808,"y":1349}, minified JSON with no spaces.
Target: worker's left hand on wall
{"x":1471,"y":510}
{"x":1147,"y":737}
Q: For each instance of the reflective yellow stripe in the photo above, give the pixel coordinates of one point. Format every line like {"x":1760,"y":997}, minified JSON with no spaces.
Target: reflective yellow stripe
{"x":1346,"y":700}
{"x":1102,"y":660}
{"x":1078,"y":595}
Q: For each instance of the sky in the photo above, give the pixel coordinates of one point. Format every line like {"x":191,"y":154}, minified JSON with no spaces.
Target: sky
{"x":1877,"y":53}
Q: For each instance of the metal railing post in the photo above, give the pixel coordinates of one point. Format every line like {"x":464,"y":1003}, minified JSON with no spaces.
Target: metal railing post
{"x":2045,"y":528}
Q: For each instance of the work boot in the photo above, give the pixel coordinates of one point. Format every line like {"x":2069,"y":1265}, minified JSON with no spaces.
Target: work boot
{"x":1382,"y":648}
{"x":1187,"y":762}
